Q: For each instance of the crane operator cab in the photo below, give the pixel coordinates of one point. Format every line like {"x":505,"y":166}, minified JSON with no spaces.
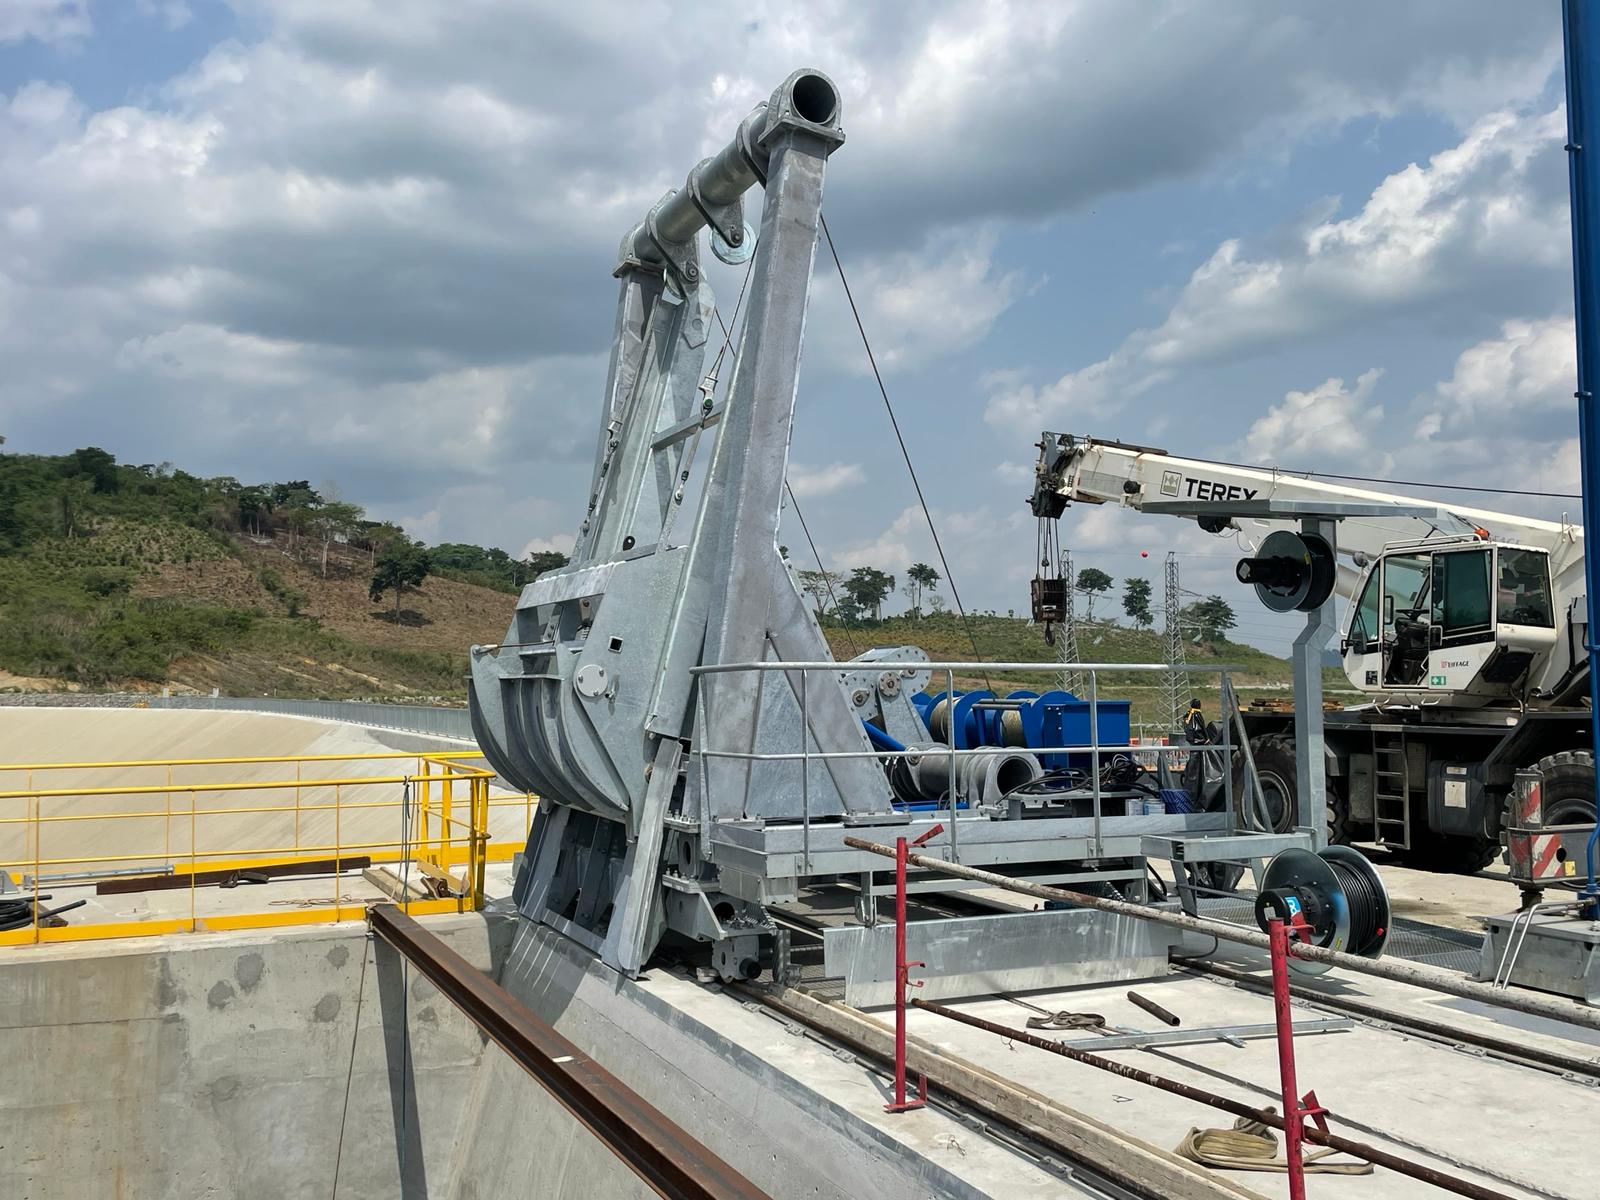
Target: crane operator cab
{"x":1454,"y":615}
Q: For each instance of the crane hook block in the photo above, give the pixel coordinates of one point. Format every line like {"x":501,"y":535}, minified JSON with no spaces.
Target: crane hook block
{"x":1292,"y":571}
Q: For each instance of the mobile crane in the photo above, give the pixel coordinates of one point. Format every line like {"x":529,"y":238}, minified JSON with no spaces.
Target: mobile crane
{"x":1466,"y":633}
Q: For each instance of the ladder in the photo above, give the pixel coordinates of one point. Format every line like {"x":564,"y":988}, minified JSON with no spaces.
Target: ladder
{"x":1391,"y":793}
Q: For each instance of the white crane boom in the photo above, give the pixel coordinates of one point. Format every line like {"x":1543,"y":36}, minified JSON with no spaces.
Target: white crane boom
{"x":1088,"y":471}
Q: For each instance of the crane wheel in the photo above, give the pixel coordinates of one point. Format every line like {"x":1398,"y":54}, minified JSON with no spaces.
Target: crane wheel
{"x":1569,"y":790}
{"x":1275,"y":768}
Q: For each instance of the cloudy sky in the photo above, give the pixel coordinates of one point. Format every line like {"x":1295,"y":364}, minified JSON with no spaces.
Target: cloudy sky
{"x":371,"y":242}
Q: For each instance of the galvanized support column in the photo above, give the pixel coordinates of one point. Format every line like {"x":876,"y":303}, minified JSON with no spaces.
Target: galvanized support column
{"x":1582,"y":37}
{"x":1310,"y":762}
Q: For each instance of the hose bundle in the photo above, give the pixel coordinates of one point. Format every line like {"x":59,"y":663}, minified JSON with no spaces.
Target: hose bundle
{"x":18,"y":912}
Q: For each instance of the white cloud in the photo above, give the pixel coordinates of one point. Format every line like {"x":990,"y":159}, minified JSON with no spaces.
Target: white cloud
{"x":175,"y":14}
{"x":1482,"y":215}
{"x":44,"y":20}
{"x":1505,"y":417}
{"x":1329,"y":424}
{"x":806,"y":482}
{"x":918,"y":306}
{"x":1530,"y":369}
{"x":374,"y":239}
{"x":561,"y":543}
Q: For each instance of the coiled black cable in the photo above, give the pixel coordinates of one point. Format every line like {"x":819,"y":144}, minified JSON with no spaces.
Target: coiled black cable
{"x":17,"y":912}
{"x":1366,"y":906}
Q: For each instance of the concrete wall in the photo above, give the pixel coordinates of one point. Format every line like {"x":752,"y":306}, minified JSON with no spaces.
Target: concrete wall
{"x":214,"y":1067}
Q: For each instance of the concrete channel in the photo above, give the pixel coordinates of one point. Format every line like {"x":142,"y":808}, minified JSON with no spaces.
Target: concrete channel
{"x":316,"y":1062}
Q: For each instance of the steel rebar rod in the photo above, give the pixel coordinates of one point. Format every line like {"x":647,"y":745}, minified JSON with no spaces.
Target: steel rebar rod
{"x":1372,"y":1154}
{"x":1398,"y":972}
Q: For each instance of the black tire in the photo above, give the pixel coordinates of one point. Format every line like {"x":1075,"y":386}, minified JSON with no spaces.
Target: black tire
{"x":1275,"y":768}
{"x":1569,"y":791}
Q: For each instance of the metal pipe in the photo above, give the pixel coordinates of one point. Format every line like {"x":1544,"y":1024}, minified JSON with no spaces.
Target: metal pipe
{"x":1154,"y":1009}
{"x":1294,"y":1127}
{"x":1372,"y":1154}
{"x":724,"y":177}
{"x":654,"y":1147}
{"x":1399,"y":972}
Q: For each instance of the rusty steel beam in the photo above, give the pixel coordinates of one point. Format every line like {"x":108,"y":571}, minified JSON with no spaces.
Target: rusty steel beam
{"x":657,"y":1149}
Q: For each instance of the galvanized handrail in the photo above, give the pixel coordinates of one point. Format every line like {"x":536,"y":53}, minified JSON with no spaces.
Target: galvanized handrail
{"x":1226,"y":748}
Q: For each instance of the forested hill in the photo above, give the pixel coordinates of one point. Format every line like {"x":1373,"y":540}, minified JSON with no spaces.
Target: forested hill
{"x":120,"y":575}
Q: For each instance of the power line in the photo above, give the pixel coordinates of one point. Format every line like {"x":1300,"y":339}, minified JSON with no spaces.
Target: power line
{"x":872,"y":360}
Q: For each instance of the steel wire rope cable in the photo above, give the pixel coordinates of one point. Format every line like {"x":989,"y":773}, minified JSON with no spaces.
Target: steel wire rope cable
{"x":821,"y":570}
{"x":883,"y":391}
{"x":350,"y":1071}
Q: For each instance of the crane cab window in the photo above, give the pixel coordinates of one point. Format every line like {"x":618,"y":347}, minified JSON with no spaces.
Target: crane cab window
{"x":1406,"y":613}
{"x":1461,"y":607}
{"x":1364,"y":626}
{"x":1523,"y":594}
{"x":1405,"y":589}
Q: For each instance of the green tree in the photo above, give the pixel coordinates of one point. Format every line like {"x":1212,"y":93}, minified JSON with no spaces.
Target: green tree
{"x":1136,"y":601}
{"x":1093,"y":583}
{"x":823,"y":587}
{"x":377,"y":536}
{"x":541,"y":561}
{"x":1211,"y":618}
{"x":404,"y":564}
{"x":920,"y":577}
{"x":254,"y":504}
{"x":334,"y":519}
{"x":868,"y":588}
{"x":98,"y":466}
{"x":294,"y":492}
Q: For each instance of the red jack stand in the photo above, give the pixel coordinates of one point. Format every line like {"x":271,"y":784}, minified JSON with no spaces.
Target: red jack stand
{"x":1295,"y":1110}
{"x":902,"y":978}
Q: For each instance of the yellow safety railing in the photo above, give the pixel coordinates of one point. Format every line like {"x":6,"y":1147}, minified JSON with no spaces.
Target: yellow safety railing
{"x":158,"y":825}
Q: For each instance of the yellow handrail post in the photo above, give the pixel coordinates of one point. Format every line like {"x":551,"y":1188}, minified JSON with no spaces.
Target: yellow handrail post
{"x":38,"y":812}
{"x":338,"y":842}
{"x":166,"y":849}
{"x":447,"y":811}
{"x":480,"y":835}
{"x":194,"y":864}
{"x":297,"y":804}
{"x":424,"y":802}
